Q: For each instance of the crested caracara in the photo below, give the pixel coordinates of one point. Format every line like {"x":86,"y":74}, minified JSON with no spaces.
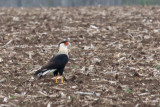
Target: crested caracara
{"x":57,"y":63}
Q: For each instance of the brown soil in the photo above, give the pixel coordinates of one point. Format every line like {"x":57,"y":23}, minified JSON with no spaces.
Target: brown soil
{"x":114,"y":57}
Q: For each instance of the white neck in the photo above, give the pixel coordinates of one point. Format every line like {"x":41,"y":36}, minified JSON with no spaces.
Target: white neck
{"x":63,"y":50}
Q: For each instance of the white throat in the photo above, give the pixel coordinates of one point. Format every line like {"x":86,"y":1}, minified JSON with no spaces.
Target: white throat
{"x":63,"y":49}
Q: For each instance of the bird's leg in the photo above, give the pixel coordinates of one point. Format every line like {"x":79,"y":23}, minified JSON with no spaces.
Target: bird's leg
{"x":56,"y":78}
{"x":61,"y":79}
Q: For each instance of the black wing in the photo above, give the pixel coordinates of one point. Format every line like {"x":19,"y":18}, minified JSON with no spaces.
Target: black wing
{"x":57,"y":62}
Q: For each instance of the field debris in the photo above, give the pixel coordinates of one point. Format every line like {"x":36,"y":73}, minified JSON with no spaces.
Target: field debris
{"x":114,"y":56}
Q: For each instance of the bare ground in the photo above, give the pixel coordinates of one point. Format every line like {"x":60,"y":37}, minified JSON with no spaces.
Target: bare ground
{"x":114,"y":57}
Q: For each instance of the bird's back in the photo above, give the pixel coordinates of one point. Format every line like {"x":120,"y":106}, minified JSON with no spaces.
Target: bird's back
{"x":56,"y":63}
{"x":59,"y":61}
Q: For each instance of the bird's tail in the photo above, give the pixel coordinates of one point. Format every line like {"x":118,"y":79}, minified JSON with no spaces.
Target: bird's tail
{"x":37,"y":72}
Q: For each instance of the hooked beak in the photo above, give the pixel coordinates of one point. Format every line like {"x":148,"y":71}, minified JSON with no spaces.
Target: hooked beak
{"x":69,"y":44}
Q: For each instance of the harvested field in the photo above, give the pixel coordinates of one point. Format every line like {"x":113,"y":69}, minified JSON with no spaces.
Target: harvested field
{"x":114,"y":57}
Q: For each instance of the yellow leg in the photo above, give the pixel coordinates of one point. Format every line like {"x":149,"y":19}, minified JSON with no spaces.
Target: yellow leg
{"x":62,"y":79}
{"x":56,"y":79}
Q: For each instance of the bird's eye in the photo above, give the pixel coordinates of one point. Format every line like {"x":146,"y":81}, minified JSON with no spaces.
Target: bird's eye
{"x":66,"y":43}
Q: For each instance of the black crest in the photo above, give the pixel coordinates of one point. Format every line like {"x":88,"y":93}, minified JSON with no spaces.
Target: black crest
{"x":63,"y":42}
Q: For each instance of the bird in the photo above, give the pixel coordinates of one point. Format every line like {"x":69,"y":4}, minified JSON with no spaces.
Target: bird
{"x":57,"y":63}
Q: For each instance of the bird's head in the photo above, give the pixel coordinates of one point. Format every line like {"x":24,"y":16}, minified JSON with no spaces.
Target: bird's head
{"x":63,"y":47}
